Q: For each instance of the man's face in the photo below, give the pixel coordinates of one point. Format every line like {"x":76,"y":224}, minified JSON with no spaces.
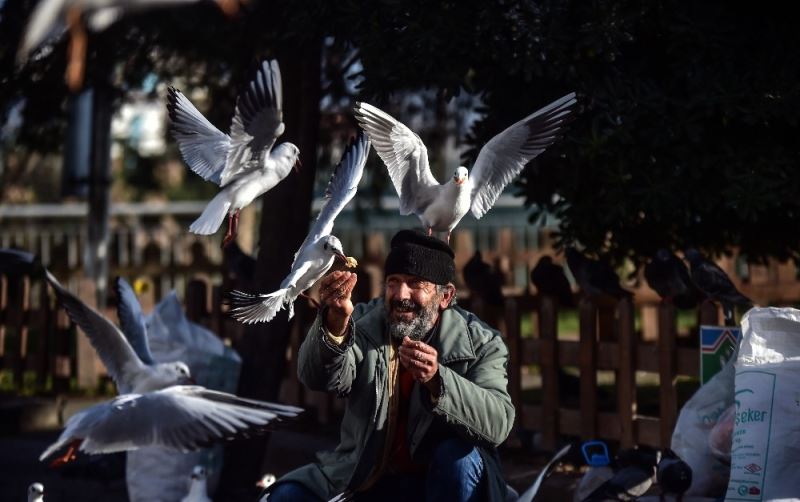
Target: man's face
{"x":412,"y":305}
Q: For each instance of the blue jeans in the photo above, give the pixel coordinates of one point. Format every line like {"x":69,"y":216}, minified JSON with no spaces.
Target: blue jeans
{"x":454,"y":474}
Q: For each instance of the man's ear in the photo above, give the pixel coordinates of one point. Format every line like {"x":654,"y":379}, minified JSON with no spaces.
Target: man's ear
{"x":448,"y":296}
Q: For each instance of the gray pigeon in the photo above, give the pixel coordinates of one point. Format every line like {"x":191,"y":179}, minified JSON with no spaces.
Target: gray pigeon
{"x":550,"y":280}
{"x":634,"y":473}
{"x":669,"y":277}
{"x":715,"y":284}
{"x":596,"y":278}
{"x":674,"y":476}
{"x":483,"y":281}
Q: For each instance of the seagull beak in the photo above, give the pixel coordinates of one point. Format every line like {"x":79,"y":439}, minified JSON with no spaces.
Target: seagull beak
{"x":298,"y":165}
{"x":458,"y":181}
{"x":341,"y":256}
{"x":189,"y":381}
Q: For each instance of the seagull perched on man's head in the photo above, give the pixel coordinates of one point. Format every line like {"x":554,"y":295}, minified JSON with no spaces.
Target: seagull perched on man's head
{"x":440,"y":207}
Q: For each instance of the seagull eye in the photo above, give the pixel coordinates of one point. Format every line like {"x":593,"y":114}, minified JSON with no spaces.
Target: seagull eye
{"x":326,"y":246}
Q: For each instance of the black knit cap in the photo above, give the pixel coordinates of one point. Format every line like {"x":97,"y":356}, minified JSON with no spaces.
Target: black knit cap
{"x":415,"y":253}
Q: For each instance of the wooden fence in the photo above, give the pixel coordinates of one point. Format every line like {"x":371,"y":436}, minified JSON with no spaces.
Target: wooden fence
{"x":36,"y":340}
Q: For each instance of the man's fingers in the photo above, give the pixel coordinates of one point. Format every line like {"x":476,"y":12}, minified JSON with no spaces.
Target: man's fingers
{"x":330,"y":278}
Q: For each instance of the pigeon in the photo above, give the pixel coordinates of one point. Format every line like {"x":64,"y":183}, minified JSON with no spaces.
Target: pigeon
{"x":674,"y":476}
{"x":36,"y":492}
{"x":595,"y":277}
{"x":441,"y":207}
{"x":550,"y":280}
{"x":483,"y":281}
{"x":668,"y":276}
{"x":319,"y":249}
{"x":153,"y":407}
{"x":715,"y":284}
{"x":634,"y":473}
{"x":244,"y":164}
{"x":197,"y":486}
{"x":51,"y":18}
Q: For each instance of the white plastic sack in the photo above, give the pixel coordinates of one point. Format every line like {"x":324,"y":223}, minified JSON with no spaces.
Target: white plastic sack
{"x":765,"y":453}
{"x":690,"y":439}
{"x":159,"y":474}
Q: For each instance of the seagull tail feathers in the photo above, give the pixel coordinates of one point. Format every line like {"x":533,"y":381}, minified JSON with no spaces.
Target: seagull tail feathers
{"x":212,"y":216}
{"x":250,"y":309}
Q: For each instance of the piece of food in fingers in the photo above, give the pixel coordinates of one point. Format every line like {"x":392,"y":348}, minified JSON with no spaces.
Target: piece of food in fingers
{"x":351,"y":262}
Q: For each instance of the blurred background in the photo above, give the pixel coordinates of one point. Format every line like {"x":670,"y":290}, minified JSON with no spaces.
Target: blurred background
{"x":686,"y":135}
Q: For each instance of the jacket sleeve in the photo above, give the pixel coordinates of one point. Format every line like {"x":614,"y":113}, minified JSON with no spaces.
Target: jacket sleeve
{"x":478,"y":404}
{"x":322,"y":364}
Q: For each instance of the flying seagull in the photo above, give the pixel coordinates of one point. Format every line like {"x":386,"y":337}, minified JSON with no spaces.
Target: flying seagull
{"x":715,"y":284}
{"x":318,"y":251}
{"x":550,"y":280}
{"x":244,"y":164}
{"x":51,"y":18}
{"x":669,"y":277}
{"x":441,"y":207}
{"x":151,"y":409}
{"x":595,"y":277}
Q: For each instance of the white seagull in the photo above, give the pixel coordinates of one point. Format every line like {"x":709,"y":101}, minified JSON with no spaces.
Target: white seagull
{"x":318,"y":251}
{"x":441,"y":207}
{"x":243,"y":164}
{"x":198,"y":491}
{"x":36,"y":492}
{"x":151,"y":410}
{"x":51,"y":18}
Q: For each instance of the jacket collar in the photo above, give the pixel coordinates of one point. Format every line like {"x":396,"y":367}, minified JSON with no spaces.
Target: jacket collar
{"x":451,"y":340}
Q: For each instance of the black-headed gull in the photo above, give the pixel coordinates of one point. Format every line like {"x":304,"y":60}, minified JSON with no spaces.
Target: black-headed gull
{"x":318,"y":251}
{"x":51,"y":18}
{"x":36,"y":492}
{"x":198,"y":492}
{"x":441,"y":207}
{"x":151,"y":410}
{"x":244,"y":164}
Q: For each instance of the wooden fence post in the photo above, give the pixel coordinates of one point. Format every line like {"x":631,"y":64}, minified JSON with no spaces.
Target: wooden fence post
{"x":667,"y":395}
{"x":86,"y":356}
{"x":626,"y":373}
{"x":548,"y":364}
{"x":587,"y":357}
{"x":707,"y":314}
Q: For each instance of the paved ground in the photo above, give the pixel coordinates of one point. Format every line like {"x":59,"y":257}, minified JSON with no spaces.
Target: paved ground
{"x":102,"y":477}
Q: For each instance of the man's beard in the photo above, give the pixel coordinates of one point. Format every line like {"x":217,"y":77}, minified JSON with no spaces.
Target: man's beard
{"x":417,"y":327}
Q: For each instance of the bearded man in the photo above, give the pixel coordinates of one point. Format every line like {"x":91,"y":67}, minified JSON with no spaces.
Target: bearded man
{"x":425,"y":382}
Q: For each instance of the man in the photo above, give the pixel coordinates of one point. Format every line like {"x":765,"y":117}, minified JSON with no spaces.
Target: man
{"x":426,"y":385}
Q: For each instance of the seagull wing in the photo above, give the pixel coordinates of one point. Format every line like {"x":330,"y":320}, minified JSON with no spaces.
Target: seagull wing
{"x":404,"y":154}
{"x":114,"y":350}
{"x":180,"y":417}
{"x":505,"y":155}
{"x":45,"y":20}
{"x":342,"y":186}
{"x":131,"y":320}
{"x":257,"y":122}
{"x":203,"y":147}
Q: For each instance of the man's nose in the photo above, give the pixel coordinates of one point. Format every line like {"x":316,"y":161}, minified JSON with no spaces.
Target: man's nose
{"x":403,"y":292}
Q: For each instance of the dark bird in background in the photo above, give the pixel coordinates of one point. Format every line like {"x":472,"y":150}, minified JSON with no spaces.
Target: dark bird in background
{"x":673,"y":475}
{"x":550,"y":280}
{"x":668,"y":276}
{"x":715,"y":284}
{"x":483,"y":281}
{"x":634,"y":473}
{"x":595,"y":277}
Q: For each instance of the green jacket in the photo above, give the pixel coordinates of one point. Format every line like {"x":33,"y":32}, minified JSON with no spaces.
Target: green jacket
{"x":474,"y":402}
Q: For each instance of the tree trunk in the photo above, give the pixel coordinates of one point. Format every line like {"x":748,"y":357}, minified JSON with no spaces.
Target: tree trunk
{"x":285,"y":218}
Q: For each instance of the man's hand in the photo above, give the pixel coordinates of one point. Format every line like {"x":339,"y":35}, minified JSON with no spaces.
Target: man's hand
{"x":334,"y":292}
{"x":422,"y":361}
